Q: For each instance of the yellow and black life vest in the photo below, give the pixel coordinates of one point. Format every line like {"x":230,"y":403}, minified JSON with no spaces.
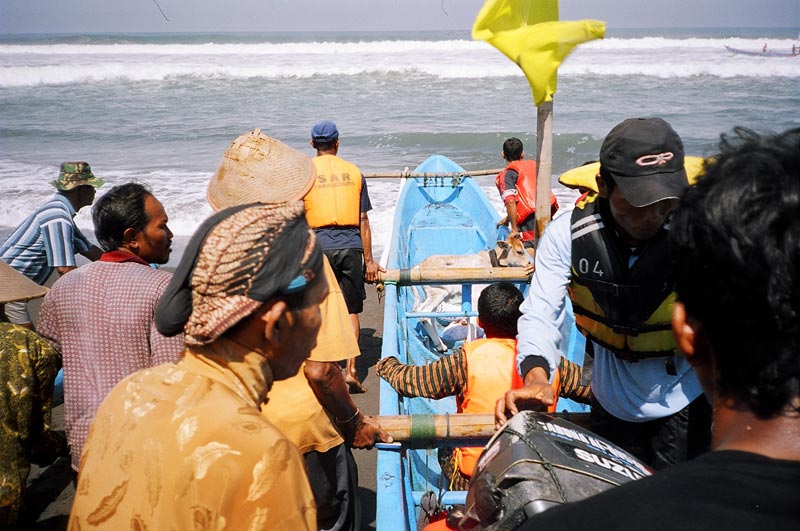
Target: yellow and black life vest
{"x":491,"y":371}
{"x":335,"y":198}
{"x":628,"y":310}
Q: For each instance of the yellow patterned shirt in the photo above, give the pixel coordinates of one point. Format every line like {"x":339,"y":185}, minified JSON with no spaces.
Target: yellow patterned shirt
{"x":292,"y":405}
{"x":185,"y":446}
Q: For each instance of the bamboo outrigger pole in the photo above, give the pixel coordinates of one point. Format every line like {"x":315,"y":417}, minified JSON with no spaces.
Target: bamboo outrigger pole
{"x":475,"y":428}
{"x":405,"y":174}
{"x":434,"y":275}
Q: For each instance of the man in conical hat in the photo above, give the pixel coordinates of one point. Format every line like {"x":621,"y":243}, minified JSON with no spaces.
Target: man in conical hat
{"x":313,"y":409}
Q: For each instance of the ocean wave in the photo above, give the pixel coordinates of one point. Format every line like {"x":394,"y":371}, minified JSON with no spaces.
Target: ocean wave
{"x":26,"y":65}
{"x":127,"y":72}
{"x":283,"y":48}
{"x":388,"y":47}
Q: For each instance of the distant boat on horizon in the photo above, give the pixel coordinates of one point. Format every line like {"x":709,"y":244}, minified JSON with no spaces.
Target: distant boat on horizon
{"x":794,"y":52}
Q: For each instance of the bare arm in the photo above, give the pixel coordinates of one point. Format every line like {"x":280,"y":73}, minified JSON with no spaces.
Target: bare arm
{"x":537,"y":393}
{"x":63,"y":270}
{"x":372,"y":267}
{"x":93,"y":253}
{"x":511,"y":209}
{"x":327,"y":382}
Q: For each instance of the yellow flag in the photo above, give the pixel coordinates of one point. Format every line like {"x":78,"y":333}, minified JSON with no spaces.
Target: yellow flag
{"x":529,"y":33}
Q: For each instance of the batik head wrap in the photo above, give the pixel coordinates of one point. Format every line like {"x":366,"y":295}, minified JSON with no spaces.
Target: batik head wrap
{"x":237,"y":260}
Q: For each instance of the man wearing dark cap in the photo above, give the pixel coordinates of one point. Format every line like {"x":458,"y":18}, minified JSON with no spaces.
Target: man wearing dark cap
{"x":48,"y":239}
{"x":735,"y":245}
{"x":336,"y":207}
{"x":612,"y":257}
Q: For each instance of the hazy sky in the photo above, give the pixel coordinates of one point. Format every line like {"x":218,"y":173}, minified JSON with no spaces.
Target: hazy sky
{"x":98,"y":16}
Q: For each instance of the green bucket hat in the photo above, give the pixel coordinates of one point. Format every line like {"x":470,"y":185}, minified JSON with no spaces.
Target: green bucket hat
{"x":75,"y":174}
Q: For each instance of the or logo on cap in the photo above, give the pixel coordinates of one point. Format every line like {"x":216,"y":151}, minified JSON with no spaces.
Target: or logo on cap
{"x":655,"y":160}
{"x":646,"y":159}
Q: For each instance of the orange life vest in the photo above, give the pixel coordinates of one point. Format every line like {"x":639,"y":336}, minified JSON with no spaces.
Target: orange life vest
{"x":438,"y":525}
{"x":491,"y":371}
{"x":335,"y":198}
{"x":526,"y":188}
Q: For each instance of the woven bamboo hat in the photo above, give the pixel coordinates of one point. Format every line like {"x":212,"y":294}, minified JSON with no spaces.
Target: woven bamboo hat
{"x":260,"y":169}
{"x":14,"y":286}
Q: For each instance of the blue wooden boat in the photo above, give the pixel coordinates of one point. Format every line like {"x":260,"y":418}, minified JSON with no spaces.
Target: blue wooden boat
{"x":434,"y":216}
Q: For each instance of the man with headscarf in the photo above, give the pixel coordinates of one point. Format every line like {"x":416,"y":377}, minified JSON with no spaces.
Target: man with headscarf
{"x":185,"y":445}
{"x":313,"y":409}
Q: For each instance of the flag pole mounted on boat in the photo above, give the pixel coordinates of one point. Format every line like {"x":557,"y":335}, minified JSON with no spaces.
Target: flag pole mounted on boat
{"x":529,"y":33}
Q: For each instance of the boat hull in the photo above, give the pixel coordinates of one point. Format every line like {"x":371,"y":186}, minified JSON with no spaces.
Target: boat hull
{"x":759,"y":53}
{"x":434,"y":216}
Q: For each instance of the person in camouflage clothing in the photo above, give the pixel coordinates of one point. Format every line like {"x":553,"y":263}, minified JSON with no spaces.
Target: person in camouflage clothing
{"x":28,"y":367}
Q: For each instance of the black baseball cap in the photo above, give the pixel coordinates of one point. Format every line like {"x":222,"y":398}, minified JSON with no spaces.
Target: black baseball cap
{"x":645,"y":157}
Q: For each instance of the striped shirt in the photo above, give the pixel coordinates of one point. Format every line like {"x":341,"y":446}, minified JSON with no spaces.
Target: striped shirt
{"x":47,"y":239}
{"x":447,"y":376}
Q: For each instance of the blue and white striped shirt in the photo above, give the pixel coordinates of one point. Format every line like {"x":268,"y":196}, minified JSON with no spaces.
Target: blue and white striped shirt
{"x":47,"y":239}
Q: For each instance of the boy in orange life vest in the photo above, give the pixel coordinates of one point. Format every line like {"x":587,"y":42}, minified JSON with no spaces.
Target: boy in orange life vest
{"x":478,"y":373}
{"x":517,"y":187}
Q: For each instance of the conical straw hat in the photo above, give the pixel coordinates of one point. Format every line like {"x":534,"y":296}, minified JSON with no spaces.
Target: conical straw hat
{"x":14,"y":286}
{"x":260,"y":169}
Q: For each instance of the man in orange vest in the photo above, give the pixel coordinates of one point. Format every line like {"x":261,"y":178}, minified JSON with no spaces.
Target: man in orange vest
{"x":336,"y":208}
{"x":478,"y":373}
{"x":517,"y":187}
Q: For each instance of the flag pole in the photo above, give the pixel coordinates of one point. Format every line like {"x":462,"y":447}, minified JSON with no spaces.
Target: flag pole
{"x":544,"y":164}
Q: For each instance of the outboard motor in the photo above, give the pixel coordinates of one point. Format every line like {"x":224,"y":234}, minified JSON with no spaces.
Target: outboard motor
{"x":537,"y":461}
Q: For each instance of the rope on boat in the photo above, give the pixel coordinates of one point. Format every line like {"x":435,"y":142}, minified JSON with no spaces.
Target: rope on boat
{"x":547,"y":465}
{"x":427,"y":175}
{"x":423,"y":428}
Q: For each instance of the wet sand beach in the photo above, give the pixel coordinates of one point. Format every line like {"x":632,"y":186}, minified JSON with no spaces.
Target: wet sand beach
{"x":50,"y":489}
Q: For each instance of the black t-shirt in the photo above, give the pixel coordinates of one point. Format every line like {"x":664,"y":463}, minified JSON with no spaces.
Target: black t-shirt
{"x":717,"y":491}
